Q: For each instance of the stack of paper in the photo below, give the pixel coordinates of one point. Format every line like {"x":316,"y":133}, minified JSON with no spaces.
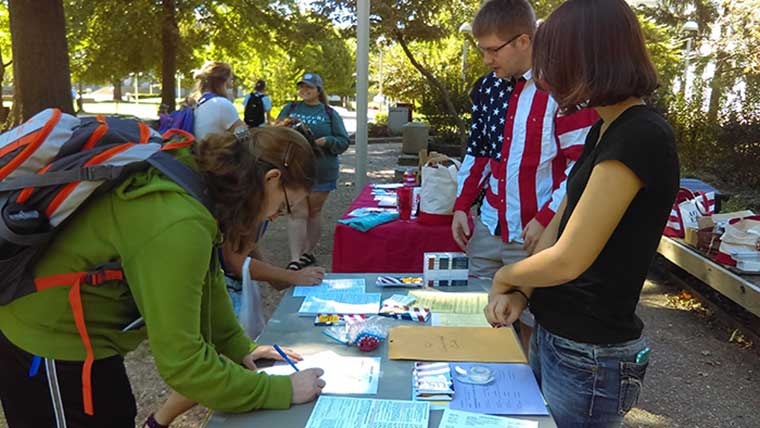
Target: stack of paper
{"x":458,"y":419}
{"x":340,"y":303}
{"x":513,"y":392}
{"x":351,"y":285}
{"x":459,"y":320}
{"x":445,"y":302}
{"x":432,"y":382}
{"x":387,"y":185}
{"x":340,"y":412}
{"x":343,"y":375}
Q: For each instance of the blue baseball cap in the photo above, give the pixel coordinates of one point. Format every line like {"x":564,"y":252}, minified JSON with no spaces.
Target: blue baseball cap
{"x":311,"y":79}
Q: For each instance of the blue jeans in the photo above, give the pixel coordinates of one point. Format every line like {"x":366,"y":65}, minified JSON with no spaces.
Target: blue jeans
{"x":587,"y":385}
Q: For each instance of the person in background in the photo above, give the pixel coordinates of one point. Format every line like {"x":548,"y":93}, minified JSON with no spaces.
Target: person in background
{"x":214,"y":112}
{"x":257,"y":106}
{"x":520,"y":148}
{"x":584,"y":280}
{"x":305,"y":223}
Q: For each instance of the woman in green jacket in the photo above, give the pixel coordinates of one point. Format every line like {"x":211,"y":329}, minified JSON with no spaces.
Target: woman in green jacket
{"x":166,"y":241}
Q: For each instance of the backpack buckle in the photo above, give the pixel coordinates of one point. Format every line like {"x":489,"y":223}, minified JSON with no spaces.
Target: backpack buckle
{"x":95,"y":278}
{"x":100,"y":172}
{"x":100,"y":276}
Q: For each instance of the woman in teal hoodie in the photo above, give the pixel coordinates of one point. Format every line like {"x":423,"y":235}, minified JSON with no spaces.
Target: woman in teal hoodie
{"x":166,"y":241}
{"x":326,"y":125}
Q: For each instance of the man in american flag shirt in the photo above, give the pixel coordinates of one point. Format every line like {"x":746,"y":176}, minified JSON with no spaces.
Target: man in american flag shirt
{"x":520,"y":151}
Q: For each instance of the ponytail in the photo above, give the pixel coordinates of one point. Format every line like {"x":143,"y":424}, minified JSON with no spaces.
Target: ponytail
{"x":234,"y":166}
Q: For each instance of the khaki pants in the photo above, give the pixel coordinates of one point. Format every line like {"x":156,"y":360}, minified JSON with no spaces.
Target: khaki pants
{"x":489,"y":253}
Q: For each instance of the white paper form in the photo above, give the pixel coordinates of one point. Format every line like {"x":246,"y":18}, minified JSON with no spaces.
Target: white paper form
{"x":460,"y":419}
{"x":387,"y":185}
{"x":343,"y":375}
{"x":513,"y":392}
{"x":340,"y":303}
{"x":343,"y":412}
{"x":442,"y":319}
{"x":352,"y":285}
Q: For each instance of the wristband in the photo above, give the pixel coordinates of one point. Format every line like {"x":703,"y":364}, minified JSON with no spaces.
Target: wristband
{"x":517,"y":290}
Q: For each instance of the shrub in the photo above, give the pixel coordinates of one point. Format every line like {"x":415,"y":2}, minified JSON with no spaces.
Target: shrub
{"x":728,"y":151}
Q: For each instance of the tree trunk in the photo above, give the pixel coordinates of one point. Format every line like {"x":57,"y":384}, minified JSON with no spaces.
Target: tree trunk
{"x":169,"y":42}
{"x":4,"y":111}
{"x":461,"y":127}
{"x":717,"y":86}
{"x":40,"y":56}
{"x":117,"y":93}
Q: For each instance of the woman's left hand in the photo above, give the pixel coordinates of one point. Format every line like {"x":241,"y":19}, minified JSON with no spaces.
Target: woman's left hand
{"x":267,"y":351}
{"x":321,"y":141}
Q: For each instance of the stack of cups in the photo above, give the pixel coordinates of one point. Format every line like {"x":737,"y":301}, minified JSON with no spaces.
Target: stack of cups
{"x":404,"y":202}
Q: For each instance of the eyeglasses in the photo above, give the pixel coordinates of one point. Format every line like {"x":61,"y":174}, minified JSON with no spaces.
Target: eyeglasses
{"x":287,"y":202}
{"x":494,"y":51}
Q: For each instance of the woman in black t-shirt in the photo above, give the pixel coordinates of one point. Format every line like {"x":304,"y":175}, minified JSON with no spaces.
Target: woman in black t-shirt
{"x":584,"y":281}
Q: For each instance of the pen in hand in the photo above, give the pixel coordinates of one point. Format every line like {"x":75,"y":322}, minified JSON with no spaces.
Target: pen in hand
{"x":285,"y":356}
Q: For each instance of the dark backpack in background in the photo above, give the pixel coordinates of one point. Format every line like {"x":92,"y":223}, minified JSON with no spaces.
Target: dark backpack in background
{"x":254,"y":114}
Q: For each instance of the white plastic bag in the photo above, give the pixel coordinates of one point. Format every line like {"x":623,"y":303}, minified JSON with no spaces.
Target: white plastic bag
{"x":251,"y":310}
{"x":439,"y":190}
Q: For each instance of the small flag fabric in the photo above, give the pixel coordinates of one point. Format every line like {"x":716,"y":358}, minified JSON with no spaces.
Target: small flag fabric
{"x":413,"y":313}
{"x":336,"y":319}
{"x":399,"y":281}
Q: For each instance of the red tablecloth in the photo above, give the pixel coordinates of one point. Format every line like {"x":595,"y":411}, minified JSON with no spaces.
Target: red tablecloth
{"x":397,"y":246}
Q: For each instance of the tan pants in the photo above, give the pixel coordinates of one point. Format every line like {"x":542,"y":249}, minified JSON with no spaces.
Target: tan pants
{"x":488,"y":253}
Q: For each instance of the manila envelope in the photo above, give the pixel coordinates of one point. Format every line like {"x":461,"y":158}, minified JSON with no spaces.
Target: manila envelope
{"x":477,"y":344}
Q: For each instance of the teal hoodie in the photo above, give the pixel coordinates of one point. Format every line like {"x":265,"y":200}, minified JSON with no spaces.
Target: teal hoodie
{"x":315,"y":116}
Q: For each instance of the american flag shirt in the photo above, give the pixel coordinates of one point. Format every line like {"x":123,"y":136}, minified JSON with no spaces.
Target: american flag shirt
{"x":521,"y":149}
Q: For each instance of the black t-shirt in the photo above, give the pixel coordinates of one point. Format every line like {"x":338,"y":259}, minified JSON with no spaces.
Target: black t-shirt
{"x":599,"y":306}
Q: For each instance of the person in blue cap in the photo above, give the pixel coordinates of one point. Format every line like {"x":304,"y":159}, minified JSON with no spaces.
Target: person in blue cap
{"x":330,"y":136}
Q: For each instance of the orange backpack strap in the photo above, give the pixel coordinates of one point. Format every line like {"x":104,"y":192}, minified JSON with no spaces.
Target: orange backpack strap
{"x":75,"y":281}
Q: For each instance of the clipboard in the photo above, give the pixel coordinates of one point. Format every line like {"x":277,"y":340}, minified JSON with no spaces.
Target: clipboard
{"x":477,"y":344}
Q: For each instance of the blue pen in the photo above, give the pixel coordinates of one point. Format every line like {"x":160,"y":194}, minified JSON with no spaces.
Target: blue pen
{"x":284,"y":356}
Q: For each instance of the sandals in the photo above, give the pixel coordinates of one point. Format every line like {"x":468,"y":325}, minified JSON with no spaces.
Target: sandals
{"x":303,"y":261}
{"x":307,"y":260}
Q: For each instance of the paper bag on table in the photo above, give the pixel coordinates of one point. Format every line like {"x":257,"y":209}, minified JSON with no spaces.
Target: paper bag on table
{"x":481,"y":344}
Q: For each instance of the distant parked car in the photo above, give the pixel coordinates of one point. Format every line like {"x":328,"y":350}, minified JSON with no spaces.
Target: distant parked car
{"x":100,"y":95}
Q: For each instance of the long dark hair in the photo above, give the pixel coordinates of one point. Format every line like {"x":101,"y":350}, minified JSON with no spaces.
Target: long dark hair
{"x":234,"y":168}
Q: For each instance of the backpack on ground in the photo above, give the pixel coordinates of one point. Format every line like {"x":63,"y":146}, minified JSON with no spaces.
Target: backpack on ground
{"x":254,"y":114}
{"x":184,"y":118}
{"x":51,"y":166}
